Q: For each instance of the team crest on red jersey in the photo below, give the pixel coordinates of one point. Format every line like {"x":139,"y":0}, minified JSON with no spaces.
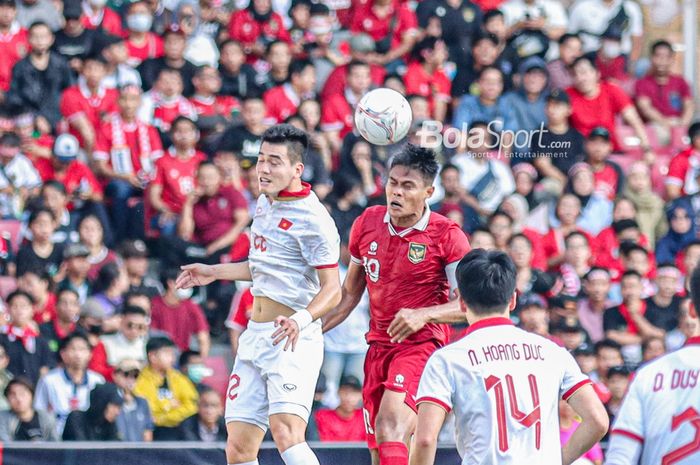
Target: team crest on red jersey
{"x":285,"y":224}
{"x":416,"y":252}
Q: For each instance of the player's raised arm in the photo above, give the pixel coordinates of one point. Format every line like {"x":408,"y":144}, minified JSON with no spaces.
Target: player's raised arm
{"x":199,"y":274}
{"x":594,"y":424}
{"x":353,"y":287}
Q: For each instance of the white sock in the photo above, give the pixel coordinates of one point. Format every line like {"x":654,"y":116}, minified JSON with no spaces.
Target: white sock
{"x":299,"y":454}
{"x":254,"y":462}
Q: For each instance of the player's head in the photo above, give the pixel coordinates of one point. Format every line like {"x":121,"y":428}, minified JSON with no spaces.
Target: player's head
{"x":486,"y":281}
{"x":281,"y":158}
{"x":410,"y":182}
{"x":695,"y":296}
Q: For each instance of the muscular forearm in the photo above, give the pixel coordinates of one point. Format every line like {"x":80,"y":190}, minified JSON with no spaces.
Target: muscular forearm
{"x":327,"y":298}
{"x":445,"y":313}
{"x":336,"y":316}
{"x":232,"y":271}
{"x":580,"y":442}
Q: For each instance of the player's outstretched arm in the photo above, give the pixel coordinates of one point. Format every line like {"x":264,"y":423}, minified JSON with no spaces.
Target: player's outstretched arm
{"x":430,"y":419}
{"x":594,"y":424}
{"x":353,"y":287}
{"x":199,"y":274}
{"x":410,"y":320}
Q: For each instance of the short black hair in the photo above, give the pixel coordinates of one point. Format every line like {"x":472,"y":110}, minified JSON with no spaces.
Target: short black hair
{"x":70,"y":290}
{"x":568,"y":36}
{"x":10,"y":139}
{"x":354,"y":64}
{"x":168,"y":274}
{"x":483,"y":71}
{"x":517,"y":236}
{"x":428,"y":43}
{"x":576,"y":234}
{"x":298,"y":67}
{"x":200,"y":70}
{"x":631,"y":274}
{"x":134,"y":310}
{"x":228,"y":42}
{"x":72,"y":337}
{"x":186,"y":356}
{"x":485,"y":36}
{"x":19,"y":293}
{"x":56,"y":185}
{"x":662,"y":44}
{"x":37,"y":212}
{"x":419,"y":159}
{"x":489,"y":15}
{"x":268,"y":49}
{"x":159,"y":342}
{"x":180,"y":119}
{"x":36,"y":24}
{"x":496,"y":214}
{"x":107,"y":275}
{"x":693,"y":243}
{"x":628,"y":247}
{"x":486,"y":280}
{"x":621,"y":225}
{"x":607,"y":344}
{"x":19,"y":381}
{"x":449,"y":166}
{"x":581,"y":59}
{"x":296,"y":140}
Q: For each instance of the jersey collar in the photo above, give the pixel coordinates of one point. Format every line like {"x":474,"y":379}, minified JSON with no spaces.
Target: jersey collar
{"x":488,"y":322}
{"x":421,"y":225}
{"x":692,"y":341}
{"x":287,"y":195}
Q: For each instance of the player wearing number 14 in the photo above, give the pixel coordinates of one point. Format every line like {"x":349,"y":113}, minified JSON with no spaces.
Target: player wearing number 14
{"x":503,"y":383}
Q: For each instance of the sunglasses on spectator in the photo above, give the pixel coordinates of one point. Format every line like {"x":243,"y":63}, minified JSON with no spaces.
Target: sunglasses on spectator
{"x":136,"y":326}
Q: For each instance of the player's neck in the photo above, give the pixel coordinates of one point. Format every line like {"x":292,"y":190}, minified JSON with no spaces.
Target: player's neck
{"x":294,"y":186}
{"x":473,"y":319}
{"x":408,"y":221}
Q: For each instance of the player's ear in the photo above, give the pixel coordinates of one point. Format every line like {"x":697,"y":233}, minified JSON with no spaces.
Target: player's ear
{"x":513,"y":301}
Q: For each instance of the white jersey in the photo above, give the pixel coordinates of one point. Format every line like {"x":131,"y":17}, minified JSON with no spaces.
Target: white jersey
{"x":291,"y":238}
{"x":660,"y":415}
{"x":504,"y":385}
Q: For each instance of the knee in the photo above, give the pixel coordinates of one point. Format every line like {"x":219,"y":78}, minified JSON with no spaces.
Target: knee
{"x":285,"y":435}
{"x":239,"y":451}
{"x":388,"y":427}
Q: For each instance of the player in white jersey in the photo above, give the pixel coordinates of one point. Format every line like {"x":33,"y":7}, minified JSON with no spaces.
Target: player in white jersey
{"x":659,"y":422}
{"x":503,"y":383}
{"x":293,"y":263}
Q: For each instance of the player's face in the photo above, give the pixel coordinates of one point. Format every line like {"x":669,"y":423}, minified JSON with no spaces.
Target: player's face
{"x":406,"y":193}
{"x":275,"y":170}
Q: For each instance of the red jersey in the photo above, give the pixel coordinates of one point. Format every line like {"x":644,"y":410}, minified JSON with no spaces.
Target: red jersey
{"x":48,"y":312}
{"x":245,"y":29}
{"x":553,"y":242}
{"x":77,"y":101}
{"x":152,"y":47}
{"x":601,"y":110}
{"x":607,"y":181}
{"x":213,"y":216}
{"x":107,"y":19}
{"x":667,"y":98}
{"x":177,"y":177}
{"x":365,"y":20}
{"x":281,"y":102}
{"x":435,"y":87}
{"x":129,"y":147}
{"x":337,"y":80}
{"x":180,"y":322}
{"x":332,"y":427}
{"x":77,"y":174}
{"x":606,"y":252}
{"x":241,"y":309}
{"x":220,"y":105}
{"x":682,"y":171}
{"x":337,"y":115}
{"x":13,"y":47}
{"x":405,"y":269}
{"x":162,"y":112}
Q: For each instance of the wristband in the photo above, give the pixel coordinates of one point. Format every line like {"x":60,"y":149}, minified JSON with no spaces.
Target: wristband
{"x":303,"y":318}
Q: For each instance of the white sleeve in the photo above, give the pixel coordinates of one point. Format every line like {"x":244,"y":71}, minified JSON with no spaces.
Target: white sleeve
{"x":435,"y":384}
{"x":573,"y":378}
{"x":145,"y":111}
{"x":630,"y":420}
{"x":623,"y":450}
{"x":451,"y":273}
{"x":636,"y":20}
{"x":556,"y":15}
{"x":320,"y":242}
{"x":41,"y":396}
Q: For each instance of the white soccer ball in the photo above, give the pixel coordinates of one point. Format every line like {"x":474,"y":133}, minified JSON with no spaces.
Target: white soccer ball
{"x":383,"y":116}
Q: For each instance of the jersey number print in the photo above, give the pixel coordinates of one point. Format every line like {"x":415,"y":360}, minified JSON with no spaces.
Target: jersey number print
{"x":693,"y":417}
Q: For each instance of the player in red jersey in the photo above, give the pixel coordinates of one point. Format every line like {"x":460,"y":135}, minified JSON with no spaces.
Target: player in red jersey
{"x":406,"y":256}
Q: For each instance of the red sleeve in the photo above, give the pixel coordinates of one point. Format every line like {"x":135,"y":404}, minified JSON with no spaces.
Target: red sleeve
{"x":240,"y":318}
{"x":156,"y":144}
{"x":411,"y":80}
{"x":407,"y":22}
{"x":271,"y":111}
{"x":685,"y":89}
{"x":443,"y":87}
{"x":331,"y":119}
{"x":356,"y":22}
{"x":159,"y":178}
{"x":677,"y":169}
{"x":619,"y":98}
{"x":160,"y":50}
{"x":454,"y":244}
{"x":70,"y":105}
{"x":112,"y":23}
{"x":333,"y":84}
{"x":237,"y":200}
{"x":95,"y":186}
{"x":539,"y":259}
{"x":355,"y":234}
{"x":642,"y":88}
{"x":322,"y":424}
{"x":283,"y":33}
{"x":199,"y":320}
{"x":98,"y":362}
{"x":103,"y":143}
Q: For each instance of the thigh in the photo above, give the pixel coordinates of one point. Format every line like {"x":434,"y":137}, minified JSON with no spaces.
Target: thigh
{"x":243,"y":442}
{"x":406,"y":368}
{"x":246,"y":396}
{"x":375,"y":370}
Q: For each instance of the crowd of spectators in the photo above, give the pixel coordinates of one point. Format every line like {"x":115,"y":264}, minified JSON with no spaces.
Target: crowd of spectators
{"x":128,"y":140}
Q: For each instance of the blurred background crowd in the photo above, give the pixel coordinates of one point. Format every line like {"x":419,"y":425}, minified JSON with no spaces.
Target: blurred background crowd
{"x":128,"y":140}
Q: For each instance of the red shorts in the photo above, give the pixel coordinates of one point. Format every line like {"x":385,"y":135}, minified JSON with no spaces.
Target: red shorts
{"x":396,"y":367}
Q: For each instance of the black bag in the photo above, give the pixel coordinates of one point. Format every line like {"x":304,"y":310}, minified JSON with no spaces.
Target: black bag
{"x":383,"y":45}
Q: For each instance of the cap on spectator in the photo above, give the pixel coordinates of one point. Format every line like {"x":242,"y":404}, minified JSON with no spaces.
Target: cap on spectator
{"x":583,"y":349}
{"x":531,"y":299}
{"x":620,"y":370}
{"x":76,"y":250}
{"x":558,"y":95}
{"x":127,"y":365}
{"x":351,"y":382}
{"x":72,"y":10}
{"x":567,"y":302}
{"x":531,"y":64}
{"x":599,"y":131}
{"x":66,"y":147}
{"x":361,"y":43}
{"x":157,"y":343}
{"x":133,"y":249}
{"x":526,"y":168}
{"x":568,"y":325}
{"x":92,"y":308}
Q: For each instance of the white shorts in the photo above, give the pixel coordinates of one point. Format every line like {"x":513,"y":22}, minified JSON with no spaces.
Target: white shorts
{"x":266,"y":380}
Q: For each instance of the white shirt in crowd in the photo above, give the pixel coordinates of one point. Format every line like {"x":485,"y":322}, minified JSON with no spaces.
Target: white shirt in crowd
{"x":593,"y":17}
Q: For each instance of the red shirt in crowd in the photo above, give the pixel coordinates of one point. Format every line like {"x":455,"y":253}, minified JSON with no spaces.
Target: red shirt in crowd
{"x":108,"y":20}
{"x":337,"y":115}
{"x":682,"y":171}
{"x":587,"y":113}
{"x":337,"y":80}
{"x":243,"y":305}
{"x":667,"y":98}
{"x":433,"y":87}
{"x":553,"y":243}
{"x":213,"y":216}
{"x":152,"y":47}
{"x":77,"y":101}
{"x":128,"y":145}
{"x":606,"y":252}
{"x":177,"y":177}
{"x":333,"y":427}
{"x":607,"y":181}
{"x":220,"y":105}
{"x":48,"y":312}
{"x":244,"y":28}
{"x":365,"y":20}
{"x":13,"y":47}
{"x":181,"y":322}
{"x":281,"y":102}
{"x":73,"y":176}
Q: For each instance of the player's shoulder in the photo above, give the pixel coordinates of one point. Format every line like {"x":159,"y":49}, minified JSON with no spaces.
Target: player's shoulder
{"x":374,"y":212}
{"x":441,"y":225}
{"x":666,"y":361}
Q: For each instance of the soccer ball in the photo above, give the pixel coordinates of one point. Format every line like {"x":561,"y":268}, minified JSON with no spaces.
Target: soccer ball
{"x":383,"y":116}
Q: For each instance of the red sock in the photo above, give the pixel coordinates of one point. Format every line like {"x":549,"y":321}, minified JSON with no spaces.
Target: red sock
{"x":393,"y":453}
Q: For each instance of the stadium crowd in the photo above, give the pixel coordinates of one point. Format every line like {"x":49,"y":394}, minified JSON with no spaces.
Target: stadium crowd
{"x":128,"y":141}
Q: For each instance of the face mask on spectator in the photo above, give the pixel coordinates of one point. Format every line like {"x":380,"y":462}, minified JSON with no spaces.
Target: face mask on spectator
{"x":183,"y":294}
{"x":139,"y":22}
{"x":98,"y":3}
{"x":198,"y":372}
{"x":611,"y":49}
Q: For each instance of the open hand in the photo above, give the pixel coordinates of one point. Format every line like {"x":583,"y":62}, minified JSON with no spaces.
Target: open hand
{"x":286,"y":329}
{"x":195,"y":274}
